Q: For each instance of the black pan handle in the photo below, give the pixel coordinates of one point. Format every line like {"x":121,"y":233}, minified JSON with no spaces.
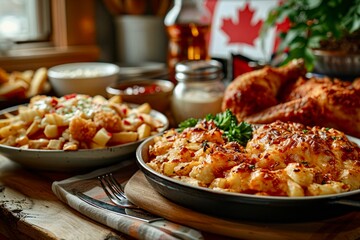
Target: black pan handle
{"x":348,"y":202}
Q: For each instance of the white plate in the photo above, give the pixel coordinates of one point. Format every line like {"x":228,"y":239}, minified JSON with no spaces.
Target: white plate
{"x":59,"y":160}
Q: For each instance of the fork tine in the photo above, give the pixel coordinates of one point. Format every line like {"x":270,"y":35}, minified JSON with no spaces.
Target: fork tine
{"x":110,"y":195}
{"x":112,"y":190}
{"x":117,"y":185}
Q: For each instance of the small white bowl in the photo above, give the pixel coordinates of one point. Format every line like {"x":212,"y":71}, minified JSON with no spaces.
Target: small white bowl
{"x":89,"y":78}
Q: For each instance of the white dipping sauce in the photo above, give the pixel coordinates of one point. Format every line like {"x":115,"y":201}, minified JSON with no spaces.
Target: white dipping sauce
{"x":195,"y":104}
{"x":83,"y":72}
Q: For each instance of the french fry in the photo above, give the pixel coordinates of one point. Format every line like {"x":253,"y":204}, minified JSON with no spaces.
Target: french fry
{"x":154,"y":123}
{"x":38,"y":143}
{"x":28,"y":115}
{"x":102,"y":137}
{"x":115,"y":99}
{"x":20,"y":76}
{"x":56,"y":119}
{"x":71,"y":146}
{"x":4,"y":77}
{"x":38,"y":82}
{"x":22,"y":140}
{"x":144,"y":131}
{"x":18,"y":88}
{"x":23,"y":84}
{"x":144,"y":108}
{"x":99,"y":99}
{"x":33,"y":128}
{"x":123,"y":137}
{"x":5,"y":122}
{"x":55,"y":144}
{"x":27,"y":75}
{"x":10,"y":129}
{"x":51,"y":131}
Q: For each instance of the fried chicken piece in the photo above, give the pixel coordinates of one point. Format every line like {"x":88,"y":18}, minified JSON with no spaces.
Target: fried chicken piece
{"x":318,"y":101}
{"x":82,"y":129}
{"x":108,"y":120}
{"x":255,"y":91}
{"x":300,"y":110}
{"x":270,"y":94}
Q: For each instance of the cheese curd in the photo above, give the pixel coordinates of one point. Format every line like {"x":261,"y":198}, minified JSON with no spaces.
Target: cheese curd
{"x":281,"y":159}
{"x":77,"y":121}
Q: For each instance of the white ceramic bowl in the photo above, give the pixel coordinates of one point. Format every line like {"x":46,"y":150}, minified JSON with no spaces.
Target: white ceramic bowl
{"x":90,"y":78}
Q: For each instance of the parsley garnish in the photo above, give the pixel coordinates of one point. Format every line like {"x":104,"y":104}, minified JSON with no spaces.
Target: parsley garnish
{"x":226,"y":121}
{"x":191,"y":122}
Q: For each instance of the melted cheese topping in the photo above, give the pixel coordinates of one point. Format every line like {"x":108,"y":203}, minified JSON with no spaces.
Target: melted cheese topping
{"x":282,"y":159}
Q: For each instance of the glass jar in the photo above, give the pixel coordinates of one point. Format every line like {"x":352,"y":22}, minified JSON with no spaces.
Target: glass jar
{"x":199,"y":91}
{"x":188,"y":28}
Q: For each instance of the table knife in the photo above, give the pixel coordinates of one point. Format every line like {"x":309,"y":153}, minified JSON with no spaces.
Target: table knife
{"x":138,"y":214}
{"x":175,"y":229}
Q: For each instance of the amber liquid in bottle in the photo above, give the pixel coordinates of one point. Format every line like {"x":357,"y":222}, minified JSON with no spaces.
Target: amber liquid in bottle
{"x":187,"y":41}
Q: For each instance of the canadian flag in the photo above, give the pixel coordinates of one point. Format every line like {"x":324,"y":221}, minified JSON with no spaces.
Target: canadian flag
{"x":236,"y":28}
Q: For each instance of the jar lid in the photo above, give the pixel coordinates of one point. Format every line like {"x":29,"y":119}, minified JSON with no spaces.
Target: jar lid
{"x":198,"y":70}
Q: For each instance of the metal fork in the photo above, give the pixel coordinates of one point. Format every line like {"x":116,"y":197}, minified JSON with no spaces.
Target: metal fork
{"x":115,"y":191}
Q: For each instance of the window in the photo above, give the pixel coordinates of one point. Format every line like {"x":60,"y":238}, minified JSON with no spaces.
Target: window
{"x":24,"y":20}
{"x":65,"y":34}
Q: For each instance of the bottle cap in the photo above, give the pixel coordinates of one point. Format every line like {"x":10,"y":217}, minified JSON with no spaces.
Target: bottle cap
{"x":198,"y":70}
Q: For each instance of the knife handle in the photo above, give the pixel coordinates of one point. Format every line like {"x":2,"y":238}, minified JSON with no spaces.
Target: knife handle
{"x":177,"y":230}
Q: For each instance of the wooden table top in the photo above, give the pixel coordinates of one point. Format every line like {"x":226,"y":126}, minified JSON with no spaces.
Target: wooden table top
{"x":30,"y":210}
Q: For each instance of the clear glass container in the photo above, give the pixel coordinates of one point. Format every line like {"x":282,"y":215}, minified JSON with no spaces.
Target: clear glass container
{"x":188,"y":28}
{"x":199,"y":90}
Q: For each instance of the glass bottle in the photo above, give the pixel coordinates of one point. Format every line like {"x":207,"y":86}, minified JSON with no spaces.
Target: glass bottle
{"x":199,"y":90}
{"x":188,"y":28}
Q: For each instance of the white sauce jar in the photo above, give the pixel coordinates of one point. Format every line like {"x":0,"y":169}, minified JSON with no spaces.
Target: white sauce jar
{"x":199,"y":91}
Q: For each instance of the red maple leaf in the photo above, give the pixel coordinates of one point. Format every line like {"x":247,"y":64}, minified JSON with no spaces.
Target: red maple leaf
{"x":243,"y":31}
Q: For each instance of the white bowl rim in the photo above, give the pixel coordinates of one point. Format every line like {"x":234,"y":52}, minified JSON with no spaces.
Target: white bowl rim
{"x":110,"y":70}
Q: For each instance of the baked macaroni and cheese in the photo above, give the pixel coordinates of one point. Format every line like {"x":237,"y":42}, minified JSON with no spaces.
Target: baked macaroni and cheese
{"x":279,"y":159}
{"x":75,"y":122}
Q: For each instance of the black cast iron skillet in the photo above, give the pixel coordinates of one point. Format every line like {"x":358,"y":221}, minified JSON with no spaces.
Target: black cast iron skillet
{"x":246,"y":206}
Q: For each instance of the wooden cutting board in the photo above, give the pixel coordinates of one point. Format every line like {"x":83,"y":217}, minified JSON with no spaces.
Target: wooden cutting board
{"x":141,"y":193}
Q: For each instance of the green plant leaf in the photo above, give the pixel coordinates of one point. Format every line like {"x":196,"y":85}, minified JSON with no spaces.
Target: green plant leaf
{"x":314,"y":41}
{"x":313,"y":21}
{"x":313,"y":3}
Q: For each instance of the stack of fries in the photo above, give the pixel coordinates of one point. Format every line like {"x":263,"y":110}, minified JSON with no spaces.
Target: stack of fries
{"x":23,"y":84}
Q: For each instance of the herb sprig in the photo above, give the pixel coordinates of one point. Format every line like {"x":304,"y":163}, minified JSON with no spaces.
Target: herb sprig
{"x":226,"y":121}
{"x":190,"y":122}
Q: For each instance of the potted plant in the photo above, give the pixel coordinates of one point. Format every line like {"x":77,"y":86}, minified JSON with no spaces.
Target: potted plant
{"x":318,"y":31}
